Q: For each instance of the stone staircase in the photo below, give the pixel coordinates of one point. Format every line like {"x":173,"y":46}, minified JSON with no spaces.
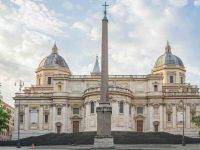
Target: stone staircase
{"x":87,"y":138}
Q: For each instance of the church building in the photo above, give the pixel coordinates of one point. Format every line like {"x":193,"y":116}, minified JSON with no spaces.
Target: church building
{"x":61,"y":102}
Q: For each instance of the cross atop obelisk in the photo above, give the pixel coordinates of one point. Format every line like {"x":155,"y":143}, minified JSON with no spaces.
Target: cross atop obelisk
{"x":105,"y":9}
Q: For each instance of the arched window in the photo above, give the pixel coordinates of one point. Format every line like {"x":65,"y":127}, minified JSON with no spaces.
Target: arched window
{"x":92,"y":107}
{"x":121,"y":107}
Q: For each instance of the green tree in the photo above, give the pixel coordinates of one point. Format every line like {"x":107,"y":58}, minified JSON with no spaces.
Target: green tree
{"x":196,"y":121}
{"x":4,"y":118}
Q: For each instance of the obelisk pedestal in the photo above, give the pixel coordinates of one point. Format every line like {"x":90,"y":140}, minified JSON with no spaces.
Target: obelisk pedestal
{"x":104,"y":138}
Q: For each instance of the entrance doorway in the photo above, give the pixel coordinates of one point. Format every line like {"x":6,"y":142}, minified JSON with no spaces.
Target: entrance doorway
{"x":139,"y":125}
{"x":58,"y":127}
{"x":75,"y":126}
{"x":156,"y":127}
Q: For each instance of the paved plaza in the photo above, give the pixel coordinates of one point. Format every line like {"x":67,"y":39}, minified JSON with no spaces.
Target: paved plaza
{"x":119,"y":147}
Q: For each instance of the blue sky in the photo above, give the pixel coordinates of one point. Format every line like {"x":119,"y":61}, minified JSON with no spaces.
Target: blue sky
{"x":138,"y":31}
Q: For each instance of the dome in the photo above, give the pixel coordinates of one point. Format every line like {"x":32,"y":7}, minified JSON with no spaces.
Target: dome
{"x":54,"y":60}
{"x":168,"y":59}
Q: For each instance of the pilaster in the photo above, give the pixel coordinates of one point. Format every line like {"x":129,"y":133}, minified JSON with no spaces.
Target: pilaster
{"x":26,"y":118}
{"x":188,"y":119}
{"x":174,"y":116}
{"x":151,"y":117}
{"x":64,"y":119}
{"x":161,"y":117}
{"x":41,"y":116}
{"x":54,"y":118}
{"x":164,"y":117}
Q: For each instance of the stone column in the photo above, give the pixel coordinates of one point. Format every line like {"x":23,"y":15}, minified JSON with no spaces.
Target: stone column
{"x":41,"y":116}
{"x":26,"y":118}
{"x":187,"y":116}
{"x":174,"y":116}
{"x":161,"y":118}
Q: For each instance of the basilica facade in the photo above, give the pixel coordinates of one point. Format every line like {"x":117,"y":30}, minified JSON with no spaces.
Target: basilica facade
{"x":61,"y":102}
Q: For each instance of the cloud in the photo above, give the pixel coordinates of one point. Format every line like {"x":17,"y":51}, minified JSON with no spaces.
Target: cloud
{"x":178,"y":3}
{"x":80,"y":26}
{"x":197,"y":3}
{"x":68,"y":5}
{"x":36,"y":16}
{"x":26,"y":31}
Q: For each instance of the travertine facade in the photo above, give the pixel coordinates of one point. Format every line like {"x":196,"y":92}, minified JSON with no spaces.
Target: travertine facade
{"x":64,"y":103}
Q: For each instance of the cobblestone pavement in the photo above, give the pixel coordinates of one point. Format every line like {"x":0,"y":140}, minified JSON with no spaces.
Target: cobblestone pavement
{"x":118,"y":147}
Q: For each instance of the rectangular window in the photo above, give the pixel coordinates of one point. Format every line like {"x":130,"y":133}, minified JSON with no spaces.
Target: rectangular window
{"x":49,"y":80}
{"x":92,"y":107}
{"x":21,"y":118}
{"x":76,"y":111}
{"x":155,"y":110}
{"x":46,"y":118}
{"x":155,"y":88}
{"x":139,"y":110}
{"x":121,"y":107}
{"x":171,"y":79}
{"x":59,"y":111}
{"x":39,"y":81}
{"x":59,"y":88}
{"x":181,"y":80}
{"x":130,"y":109}
{"x":169,"y":118}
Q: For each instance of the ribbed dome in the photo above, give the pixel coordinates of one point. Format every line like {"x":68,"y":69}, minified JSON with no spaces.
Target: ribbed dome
{"x":53,"y":60}
{"x":168,"y":59}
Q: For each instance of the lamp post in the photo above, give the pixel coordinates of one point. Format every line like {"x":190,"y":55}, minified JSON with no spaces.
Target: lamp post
{"x":20,"y":84}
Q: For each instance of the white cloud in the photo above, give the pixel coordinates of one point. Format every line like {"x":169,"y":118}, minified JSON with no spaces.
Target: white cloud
{"x":80,"y":26}
{"x":36,"y":16}
{"x":197,"y":3}
{"x":178,"y":3}
{"x":25,"y":34}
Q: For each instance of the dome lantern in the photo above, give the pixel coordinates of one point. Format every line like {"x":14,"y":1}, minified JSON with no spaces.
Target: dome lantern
{"x":168,"y":48}
{"x":54,"y":49}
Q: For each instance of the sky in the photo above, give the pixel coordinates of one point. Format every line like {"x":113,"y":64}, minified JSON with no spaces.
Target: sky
{"x":138,"y":32}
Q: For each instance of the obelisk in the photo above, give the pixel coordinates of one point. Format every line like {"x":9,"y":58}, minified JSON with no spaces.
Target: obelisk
{"x":104,"y":111}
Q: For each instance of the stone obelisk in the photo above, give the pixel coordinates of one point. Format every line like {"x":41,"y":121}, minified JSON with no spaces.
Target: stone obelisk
{"x":104,"y":111}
